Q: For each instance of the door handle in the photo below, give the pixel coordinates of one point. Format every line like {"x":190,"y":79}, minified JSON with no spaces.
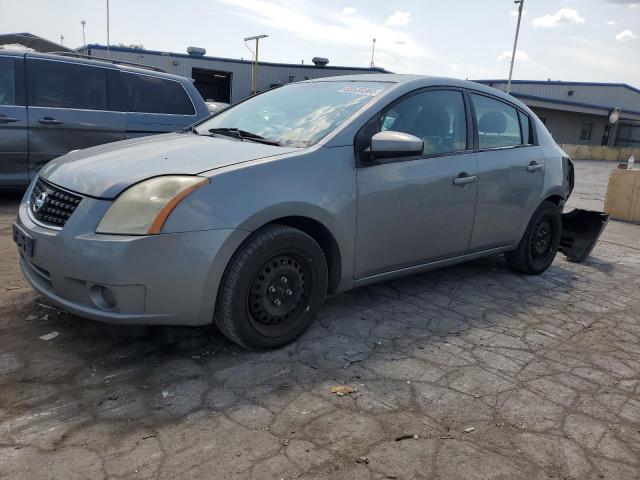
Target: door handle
{"x":5,"y":119}
{"x":534,"y":167}
{"x":50,"y":121}
{"x":463,"y":179}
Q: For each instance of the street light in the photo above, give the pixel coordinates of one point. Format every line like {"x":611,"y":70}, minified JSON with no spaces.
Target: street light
{"x":373,"y":52}
{"x":255,"y":62}
{"x":84,"y":42}
{"x":520,"y":4}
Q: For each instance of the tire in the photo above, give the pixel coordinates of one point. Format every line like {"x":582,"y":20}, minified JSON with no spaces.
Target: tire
{"x":272,"y":289}
{"x":539,"y":244}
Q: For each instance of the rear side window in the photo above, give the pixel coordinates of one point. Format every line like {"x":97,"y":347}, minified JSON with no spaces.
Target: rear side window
{"x":437,"y":117}
{"x":498,"y":123}
{"x":150,"y":94}
{"x":66,"y":85}
{"x":7,"y":81}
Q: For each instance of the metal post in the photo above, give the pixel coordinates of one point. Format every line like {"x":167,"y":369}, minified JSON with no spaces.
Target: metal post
{"x":255,"y":69}
{"x":373,"y":52}
{"x":84,"y":42}
{"x":254,"y":75}
{"x":108,"y":41}
{"x":520,"y":4}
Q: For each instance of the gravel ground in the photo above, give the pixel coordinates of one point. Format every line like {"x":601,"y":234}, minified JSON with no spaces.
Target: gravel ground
{"x":467,"y":372}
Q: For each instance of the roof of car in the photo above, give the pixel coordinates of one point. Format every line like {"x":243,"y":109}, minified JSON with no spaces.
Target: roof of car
{"x":419,"y":81}
{"x":93,"y":61}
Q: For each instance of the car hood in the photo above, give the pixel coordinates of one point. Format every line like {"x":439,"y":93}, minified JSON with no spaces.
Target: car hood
{"x":106,"y":170}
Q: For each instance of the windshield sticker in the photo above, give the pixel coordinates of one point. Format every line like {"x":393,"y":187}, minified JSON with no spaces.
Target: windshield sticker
{"x":370,"y":92}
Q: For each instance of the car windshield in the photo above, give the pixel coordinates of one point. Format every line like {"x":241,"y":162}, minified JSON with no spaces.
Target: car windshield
{"x":296,"y":115}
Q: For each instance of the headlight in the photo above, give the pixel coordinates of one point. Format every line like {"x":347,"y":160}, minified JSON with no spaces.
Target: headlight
{"x":143,"y":208}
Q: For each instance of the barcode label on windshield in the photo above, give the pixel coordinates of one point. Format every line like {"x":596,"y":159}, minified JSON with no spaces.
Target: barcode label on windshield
{"x":371,"y":92}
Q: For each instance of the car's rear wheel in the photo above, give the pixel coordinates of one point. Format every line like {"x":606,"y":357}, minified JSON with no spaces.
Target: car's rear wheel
{"x":539,"y":244}
{"x":272,"y":289}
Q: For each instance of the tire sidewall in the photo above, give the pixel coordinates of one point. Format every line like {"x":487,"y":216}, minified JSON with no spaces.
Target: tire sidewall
{"x":306,"y":249}
{"x":550,"y":209}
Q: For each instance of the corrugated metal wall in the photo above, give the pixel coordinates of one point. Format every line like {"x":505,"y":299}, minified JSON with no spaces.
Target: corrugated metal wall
{"x":607,"y":95}
{"x":241,"y":71}
{"x":566,"y":127}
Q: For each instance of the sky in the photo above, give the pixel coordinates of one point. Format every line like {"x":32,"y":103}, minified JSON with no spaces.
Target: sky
{"x":571,"y":40}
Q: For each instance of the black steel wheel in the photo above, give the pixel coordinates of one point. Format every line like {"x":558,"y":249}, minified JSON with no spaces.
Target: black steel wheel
{"x":539,"y":245}
{"x":272,"y":289}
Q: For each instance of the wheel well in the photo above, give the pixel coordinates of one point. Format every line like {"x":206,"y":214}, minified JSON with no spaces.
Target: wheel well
{"x":323,"y":236}
{"x":557,"y":199}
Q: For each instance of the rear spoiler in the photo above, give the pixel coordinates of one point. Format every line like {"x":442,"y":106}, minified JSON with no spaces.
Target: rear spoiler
{"x":581,"y":229}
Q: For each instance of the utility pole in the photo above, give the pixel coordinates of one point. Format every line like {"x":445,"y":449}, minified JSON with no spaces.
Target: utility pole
{"x":108,"y":42}
{"x":84,"y":41}
{"x":255,"y":62}
{"x":373,"y":51}
{"x":520,"y":4}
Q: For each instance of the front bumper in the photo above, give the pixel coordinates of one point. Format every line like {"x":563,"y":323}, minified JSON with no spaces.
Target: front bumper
{"x":167,"y":279}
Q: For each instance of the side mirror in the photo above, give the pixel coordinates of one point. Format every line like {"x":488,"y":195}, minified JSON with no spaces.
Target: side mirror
{"x":390,"y":144}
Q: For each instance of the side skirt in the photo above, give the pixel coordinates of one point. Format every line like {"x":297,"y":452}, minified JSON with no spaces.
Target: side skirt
{"x":428,"y":266}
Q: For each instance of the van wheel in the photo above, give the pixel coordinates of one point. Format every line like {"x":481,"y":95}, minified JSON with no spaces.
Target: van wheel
{"x":539,"y":244}
{"x":272,"y":289}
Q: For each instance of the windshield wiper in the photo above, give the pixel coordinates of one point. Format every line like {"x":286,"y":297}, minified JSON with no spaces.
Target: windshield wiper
{"x":242,"y":135}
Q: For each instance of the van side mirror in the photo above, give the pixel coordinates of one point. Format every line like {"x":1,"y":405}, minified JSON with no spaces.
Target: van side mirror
{"x":390,"y":144}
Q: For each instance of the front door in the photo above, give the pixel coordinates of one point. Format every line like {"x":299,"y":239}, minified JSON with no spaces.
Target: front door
{"x":417,"y":210}
{"x":13,"y":124}
{"x":511,"y":174}
{"x":68,"y":109}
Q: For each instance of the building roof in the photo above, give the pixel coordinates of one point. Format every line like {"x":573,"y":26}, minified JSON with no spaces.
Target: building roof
{"x":231,"y":60}
{"x":33,"y":42}
{"x":581,"y":97}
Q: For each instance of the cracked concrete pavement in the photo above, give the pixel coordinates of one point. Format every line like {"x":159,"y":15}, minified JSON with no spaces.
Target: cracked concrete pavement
{"x":467,"y":372}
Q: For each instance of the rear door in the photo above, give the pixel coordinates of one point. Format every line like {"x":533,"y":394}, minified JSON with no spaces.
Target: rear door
{"x":153,"y":104}
{"x":68,"y":109}
{"x":13,"y":123}
{"x":510,"y":173}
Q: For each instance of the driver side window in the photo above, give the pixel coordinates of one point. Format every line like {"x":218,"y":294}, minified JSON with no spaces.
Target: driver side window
{"x":437,"y":117}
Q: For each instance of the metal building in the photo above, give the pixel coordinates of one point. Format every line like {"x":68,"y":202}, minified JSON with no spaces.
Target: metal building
{"x":225,"y":79}
{"x":578,"y":112}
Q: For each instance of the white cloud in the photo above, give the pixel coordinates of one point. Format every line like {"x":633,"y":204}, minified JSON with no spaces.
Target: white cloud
{"x":349,"y":10}
{"x":561,"y":17}
{"x":520,"y":56}
{"x":626,"y":35}
{"x":399,"y":19}
{"x":514,"y":13}
{"x":316,"y":24}
{"x":597,"y":60}
{"x":610,"y":22}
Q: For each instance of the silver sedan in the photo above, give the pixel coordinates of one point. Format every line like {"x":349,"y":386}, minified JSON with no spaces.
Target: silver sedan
{"x":249,"y":218}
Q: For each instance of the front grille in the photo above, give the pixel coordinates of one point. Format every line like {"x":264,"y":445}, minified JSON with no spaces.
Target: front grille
{"x":51,"y":205}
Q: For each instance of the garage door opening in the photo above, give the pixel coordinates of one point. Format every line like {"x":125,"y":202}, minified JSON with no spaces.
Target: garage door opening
{"x":213,"y":85}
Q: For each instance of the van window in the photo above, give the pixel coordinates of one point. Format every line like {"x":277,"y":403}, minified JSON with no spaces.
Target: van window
{"x":66,"y":85}
{"x":437,"y":117}
{"x":498,"y":124}
{"x":7,"y":81}
{"x":150,"y":94}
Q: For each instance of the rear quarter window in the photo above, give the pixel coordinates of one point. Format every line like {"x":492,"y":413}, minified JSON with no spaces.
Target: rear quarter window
{"x":151,"y":94}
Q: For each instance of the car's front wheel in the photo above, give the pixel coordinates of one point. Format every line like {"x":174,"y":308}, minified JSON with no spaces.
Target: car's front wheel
{"x":539,"y":244}
{"x":272,"y":288}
